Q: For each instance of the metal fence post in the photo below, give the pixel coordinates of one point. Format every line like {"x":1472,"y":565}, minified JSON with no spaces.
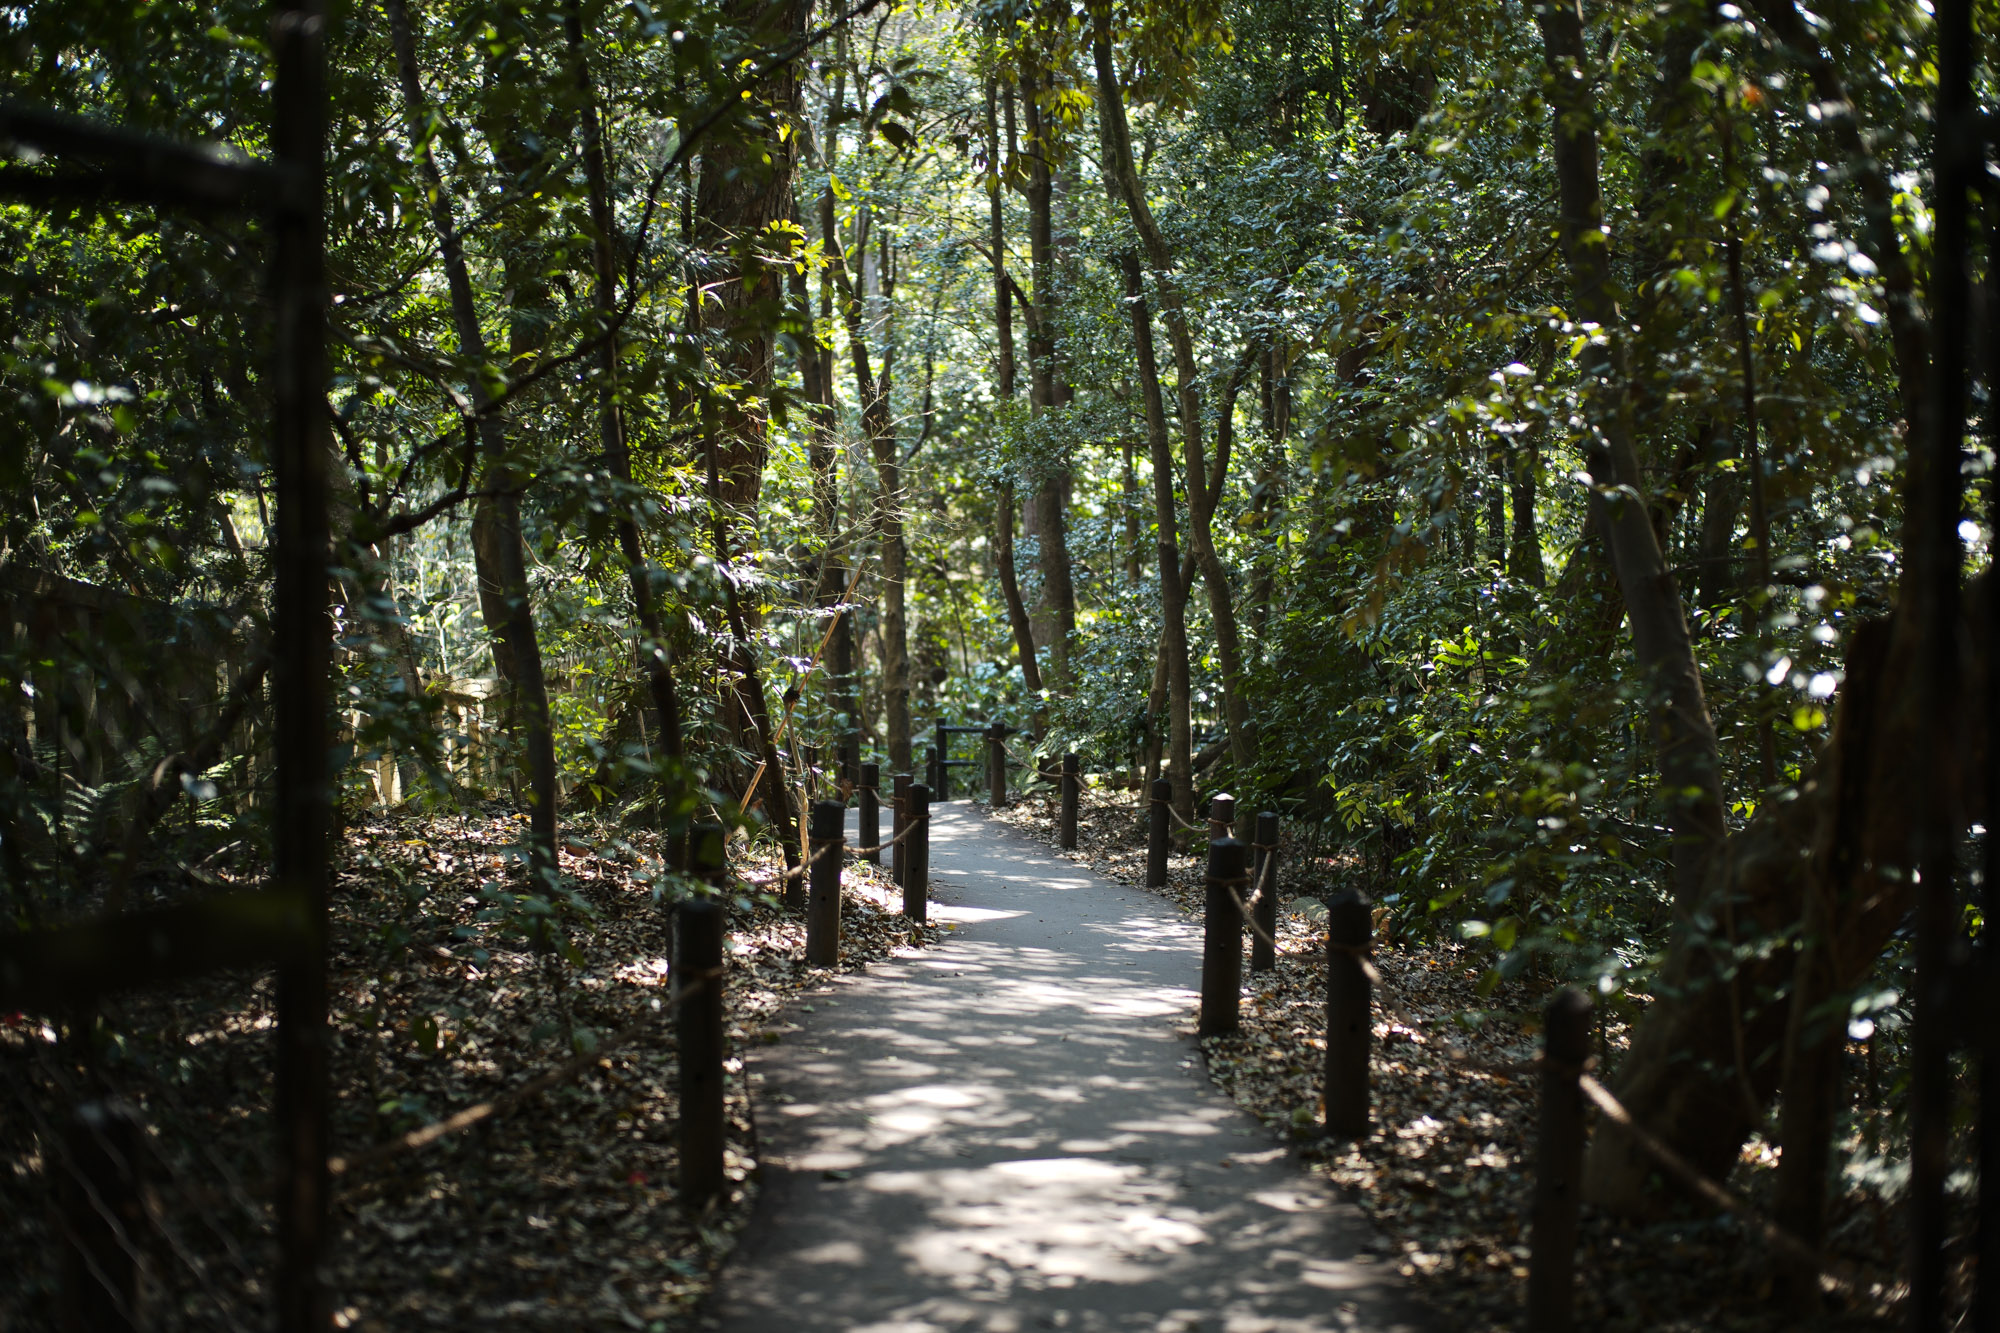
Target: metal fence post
{"x":1222,"y":938}
{"x":917,"y":873}
{"x":700,"y":1029}
{"x":1072,"y":796}
{"x":899,"y":820}
{"x":996,"y":767}
{"x":871,"y":813}
{"x":1558,"y":1165}
{"x":1349,"y":1014}
{"x":107,"y":1216}
{"x":1264,"y":883}
{"x":1159,"y":818}
{"x":823,"y":903}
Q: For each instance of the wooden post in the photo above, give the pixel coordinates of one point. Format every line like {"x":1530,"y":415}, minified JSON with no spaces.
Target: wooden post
{"x":1558,"y":1165}
{"x":899,"y":817}
{"x":1159,"y":827}
{"x":1072,"y":796}
{"x":1221,"y":815}
{"x":1349,"y":1014}
{"x":105,"y":1199}
{"x":932,"y":759}
{"x":1222,"y":938}
{"x":823,"y":904}
{"x":871,"y":813}
{"x":699,"y":1016}
{"x":1264,"y":883}
{"x":996,"y":767}
{"x":917,"y":873}
{"x":940,"y":783}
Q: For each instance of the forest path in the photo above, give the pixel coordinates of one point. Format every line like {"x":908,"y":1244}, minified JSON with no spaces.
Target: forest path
{"x":1007,"y":1132}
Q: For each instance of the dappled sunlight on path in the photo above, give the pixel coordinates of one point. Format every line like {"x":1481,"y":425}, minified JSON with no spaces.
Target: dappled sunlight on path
{"x":1008,"y":1132}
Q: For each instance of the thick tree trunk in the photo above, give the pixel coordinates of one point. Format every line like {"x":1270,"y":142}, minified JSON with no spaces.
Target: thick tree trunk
{"x":500,"y":554}
{"x":745,"y":185}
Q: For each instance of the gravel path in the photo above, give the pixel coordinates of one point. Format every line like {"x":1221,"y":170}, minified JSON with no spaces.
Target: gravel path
{"x":1012,"y":1131}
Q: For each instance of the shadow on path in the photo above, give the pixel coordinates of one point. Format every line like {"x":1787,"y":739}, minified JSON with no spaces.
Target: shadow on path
{"x":1007,"y":1133}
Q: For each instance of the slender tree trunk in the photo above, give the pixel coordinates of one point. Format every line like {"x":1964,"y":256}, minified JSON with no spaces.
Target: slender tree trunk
{"x":1203,"y":491}
{"x":1048,"y":505}
{"x":1017,"y":610}
{"x":1524,"y":546}
{"x":879,"y":425}
{"x":611,"y":421}
{"x":1215,"y":576}
{"x":1173,"y":592}
{"x":843,"y":665}
{"x":500,"y":554}
{"x":1003,"y":505}
{"x":1267,"y":500}
{"x":1688,"y":760}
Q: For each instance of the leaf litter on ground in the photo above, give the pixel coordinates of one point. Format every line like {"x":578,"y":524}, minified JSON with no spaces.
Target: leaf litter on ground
{"x":560,"y":1212}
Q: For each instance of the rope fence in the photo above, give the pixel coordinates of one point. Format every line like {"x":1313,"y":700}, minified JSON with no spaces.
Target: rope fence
{"x":1224,"y":958}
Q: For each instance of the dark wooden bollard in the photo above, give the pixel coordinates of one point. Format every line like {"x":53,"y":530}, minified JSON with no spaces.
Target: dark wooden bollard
{"x":1558,"y":1165}
{"x":823,"y":907}
{"x":1072,"y":796}
{"x":1349,"y":1014}
{"x":699,"y":1024}
{"x":996,"y":767}
{"x":850,"y":760}
{"x":941,"y":780}
{"x":1222,"y":937}
{"x":917,"y":872}
{"x":899,"y":817}
{"x":1159,"y":828}
{"x":870,"y":834}
{"x":1264,"y":883}
{"x":1221,"y":816}
{"x":107,"y":1219}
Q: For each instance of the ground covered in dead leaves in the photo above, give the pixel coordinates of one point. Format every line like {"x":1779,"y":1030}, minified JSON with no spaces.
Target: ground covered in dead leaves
{"x":558,"y":1213}
{"x":1447,"y":1173}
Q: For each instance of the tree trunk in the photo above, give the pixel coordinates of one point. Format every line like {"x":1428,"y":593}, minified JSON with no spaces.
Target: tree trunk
{"x":1685,"y":737}
{"x":1203,"y":488}
{"x":653,"y":649}
{"x":1173,"y":591}
{"x":500,"y":555}
{"x":1048,"y":505}
{"x":879,"y":425}
{"x":745,"y":186}
{"x":1003,"y":504}
{"x":1705,"y":1055}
